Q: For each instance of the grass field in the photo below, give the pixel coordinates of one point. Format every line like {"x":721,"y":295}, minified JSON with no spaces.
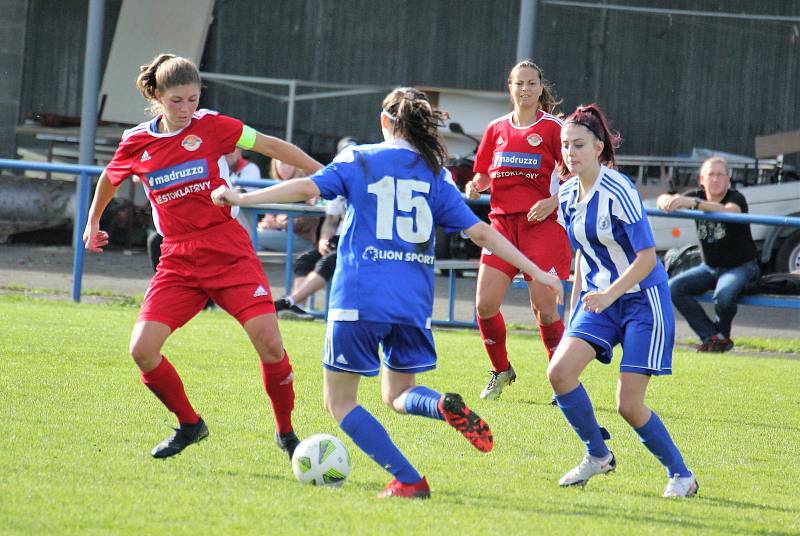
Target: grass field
{"x":78,"y":427}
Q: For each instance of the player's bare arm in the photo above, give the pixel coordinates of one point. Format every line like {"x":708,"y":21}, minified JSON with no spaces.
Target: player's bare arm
{"x":543,"y":208}
{"x":643,"y":264}
{"x":285,"y":192}
{"x":577,"y":284}
{"x":485,"y":236}
{"x":285,"y":152}
{"x":93,"y":238}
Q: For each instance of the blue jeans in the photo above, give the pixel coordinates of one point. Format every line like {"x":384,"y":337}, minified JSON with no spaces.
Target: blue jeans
{"x":276,"y":240}
{"x":727,"y":283}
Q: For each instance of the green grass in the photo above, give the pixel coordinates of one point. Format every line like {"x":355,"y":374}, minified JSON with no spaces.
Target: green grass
{"x":78,"y":427}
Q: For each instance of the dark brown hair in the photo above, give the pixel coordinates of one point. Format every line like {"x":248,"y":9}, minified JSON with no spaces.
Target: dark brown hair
{"x":592,"y":118}
{"x":547,"y":100}
{"x":164,"y":72}
{"x":416,"y":121}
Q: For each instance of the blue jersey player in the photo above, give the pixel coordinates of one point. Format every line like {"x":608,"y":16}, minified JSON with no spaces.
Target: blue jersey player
{"x":382,"y":293}
{"x":620,"y":297}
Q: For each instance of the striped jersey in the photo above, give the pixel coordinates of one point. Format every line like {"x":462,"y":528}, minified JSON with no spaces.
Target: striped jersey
{"x":608,"y":226}
{"x":384,"y":266}
{"x":180,"y":169}
{"x":521,"y":161}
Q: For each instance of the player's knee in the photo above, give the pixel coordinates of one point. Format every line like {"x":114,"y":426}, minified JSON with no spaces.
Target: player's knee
{"x":392,"y":400}
{"x":558,"y":375}
{"x":629,"y":410}
{"x":143,"y":354}
{"x":270,"y":350}
{"x":487,"y":308}
{"x":337,"y":408}
{"x":545,"y":318}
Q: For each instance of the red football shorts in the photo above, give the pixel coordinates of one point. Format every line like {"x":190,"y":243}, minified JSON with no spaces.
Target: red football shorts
{"x":217,"y":263}
{"x":545,"y":243}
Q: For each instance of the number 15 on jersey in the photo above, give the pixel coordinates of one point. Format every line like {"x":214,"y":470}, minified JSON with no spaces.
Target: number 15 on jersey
{"x":415,"y":228}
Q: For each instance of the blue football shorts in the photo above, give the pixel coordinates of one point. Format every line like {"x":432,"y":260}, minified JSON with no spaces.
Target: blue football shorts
{"x":352,"y":346}
{"x":643,"y":322}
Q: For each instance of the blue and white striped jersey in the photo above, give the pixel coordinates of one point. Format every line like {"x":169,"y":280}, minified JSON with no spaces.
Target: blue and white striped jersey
{"x":608,"y":227}
{"x":384,"y":266}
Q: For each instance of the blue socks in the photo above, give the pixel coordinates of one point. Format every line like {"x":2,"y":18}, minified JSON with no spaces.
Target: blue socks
{"x":656,"y":438}
{"x":423,"y":401}
{"x":372,"y":438}
{"x":577,"y":408}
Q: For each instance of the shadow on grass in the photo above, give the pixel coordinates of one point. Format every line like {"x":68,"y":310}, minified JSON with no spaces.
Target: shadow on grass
{"x":671,"y":519}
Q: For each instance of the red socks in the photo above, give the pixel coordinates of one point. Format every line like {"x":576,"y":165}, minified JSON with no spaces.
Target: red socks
{"x":279,"y":384}
{"x":551,"y":336}
{"x":165,"y":383}
{"x":493,"y":333}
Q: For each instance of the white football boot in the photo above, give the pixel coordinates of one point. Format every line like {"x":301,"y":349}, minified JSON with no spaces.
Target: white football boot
{"x":589,"y":467}
{"x":497,"y":382}
{"x":681,"y":486}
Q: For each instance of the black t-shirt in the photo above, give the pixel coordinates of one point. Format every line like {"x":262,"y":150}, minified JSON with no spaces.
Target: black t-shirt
{"x":725,"y":245}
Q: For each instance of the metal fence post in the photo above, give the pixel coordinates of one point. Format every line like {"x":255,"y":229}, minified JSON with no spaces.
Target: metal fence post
{"x":81,"y":213}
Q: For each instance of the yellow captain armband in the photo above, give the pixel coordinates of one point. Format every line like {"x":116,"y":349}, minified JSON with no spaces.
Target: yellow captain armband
{"x":248,"y":138}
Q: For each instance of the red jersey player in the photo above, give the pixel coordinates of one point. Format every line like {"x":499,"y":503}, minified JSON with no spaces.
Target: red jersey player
{"x":517,"y":160}
{"x":206,"y":253}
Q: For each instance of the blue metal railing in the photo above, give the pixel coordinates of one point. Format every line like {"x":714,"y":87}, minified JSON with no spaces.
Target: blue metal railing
{"x":730,"y":217}
{"x":81,"y":207}
{"x":85,"y":172}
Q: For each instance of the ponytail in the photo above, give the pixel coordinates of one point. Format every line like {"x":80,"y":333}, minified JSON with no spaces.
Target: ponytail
{"x":164,"y":72}
{"x":593,"y":119}
{"x":416,"y":121}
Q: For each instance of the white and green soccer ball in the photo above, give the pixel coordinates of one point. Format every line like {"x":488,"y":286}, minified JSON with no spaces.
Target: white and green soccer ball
{"x":321,"y":460}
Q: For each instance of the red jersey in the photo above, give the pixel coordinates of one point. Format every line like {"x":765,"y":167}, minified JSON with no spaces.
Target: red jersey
{"x":180,"y":169}
{"x":521,"y":162}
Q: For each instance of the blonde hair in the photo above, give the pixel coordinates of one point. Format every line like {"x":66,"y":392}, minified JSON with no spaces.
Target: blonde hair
{"x":164,"y":72}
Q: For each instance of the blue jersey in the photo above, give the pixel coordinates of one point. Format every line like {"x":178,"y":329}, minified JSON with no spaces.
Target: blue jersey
{"x":384,"y":267}
{"x":608,"y":227}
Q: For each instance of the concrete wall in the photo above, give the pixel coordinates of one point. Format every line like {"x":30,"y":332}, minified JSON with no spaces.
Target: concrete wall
{"x":12,"y":49}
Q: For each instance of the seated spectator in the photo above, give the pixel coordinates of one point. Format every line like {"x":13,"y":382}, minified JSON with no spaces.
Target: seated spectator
{"x":729,"y":257}
{"x":242,"y":168}
{"x":315,"y":267}
{"x":272,"y":227}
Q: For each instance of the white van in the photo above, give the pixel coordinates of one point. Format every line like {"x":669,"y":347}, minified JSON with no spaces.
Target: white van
{"x":767,"y":193}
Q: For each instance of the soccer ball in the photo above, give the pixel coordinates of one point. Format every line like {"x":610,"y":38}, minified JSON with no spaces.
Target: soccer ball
{"x":321,"y":460}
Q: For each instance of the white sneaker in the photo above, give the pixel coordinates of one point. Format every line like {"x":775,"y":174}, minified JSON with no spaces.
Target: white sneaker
{"x":589,"y":467}
{"x":497,"y":382}
{"x":681,"y":486}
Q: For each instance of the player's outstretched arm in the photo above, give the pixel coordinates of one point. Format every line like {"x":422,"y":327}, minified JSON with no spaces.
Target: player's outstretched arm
{"x":285,"y":192}
{"x":93,"y":238}
{"x":285,"y":152}
{"x":485,"y":236}
{"x":576,"y":285}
